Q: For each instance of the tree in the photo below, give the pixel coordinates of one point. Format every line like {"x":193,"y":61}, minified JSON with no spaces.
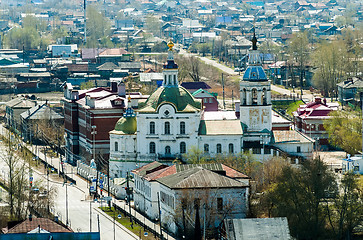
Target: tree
{"x":195,"y":156}
{"x":298,"y":195}
{"x":346,"y":211}
{"x":298,"y":49}
{"x":98,"y":27}
{"x":331,"y":62}
{"x":344,"y":129}
{"x":153,"y":25}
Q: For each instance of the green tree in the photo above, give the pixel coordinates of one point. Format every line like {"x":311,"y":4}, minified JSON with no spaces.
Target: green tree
{"x":346,"y":211}
{"x":299,"y":194}
{"x":344,"y":129}
{"x":98,"y":27}
{"x":195,"y":156}
{"x":153,"y":25}
{"x":299,"y":51}
{"x":331,"y":62}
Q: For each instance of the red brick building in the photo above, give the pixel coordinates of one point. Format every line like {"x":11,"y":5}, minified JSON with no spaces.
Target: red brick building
{"x":309,"y":119}
{"x":96,"y":109}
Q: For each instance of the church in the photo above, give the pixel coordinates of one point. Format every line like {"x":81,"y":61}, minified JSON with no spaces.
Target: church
{"x":171,"y":122}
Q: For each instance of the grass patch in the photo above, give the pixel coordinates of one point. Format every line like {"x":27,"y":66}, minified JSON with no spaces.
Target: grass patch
{"x":293,"y":107}
{"x":137,"y":229}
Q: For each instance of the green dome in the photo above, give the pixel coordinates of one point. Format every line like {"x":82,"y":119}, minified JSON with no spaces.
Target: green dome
{"x":127,"y":125}
{"x":179,"y":96}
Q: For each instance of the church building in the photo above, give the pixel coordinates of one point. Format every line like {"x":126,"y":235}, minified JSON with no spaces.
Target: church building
{"x":172,"y":121}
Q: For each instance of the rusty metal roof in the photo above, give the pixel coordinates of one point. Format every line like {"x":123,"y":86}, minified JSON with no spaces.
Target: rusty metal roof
{"x":199,"y":177}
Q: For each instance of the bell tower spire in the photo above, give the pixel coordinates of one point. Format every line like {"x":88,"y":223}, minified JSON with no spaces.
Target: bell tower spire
{"x":170,"y":69}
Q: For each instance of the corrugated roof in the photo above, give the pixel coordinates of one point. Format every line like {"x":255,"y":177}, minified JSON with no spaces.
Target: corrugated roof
{"x":141,"y":171}
{"x":44,"y":223}
{"x":41,"y":112}
{"x":257,"y":229}
{"x":290,"y":136}
{"x":199,"y":178}
{"x":220,"y":127}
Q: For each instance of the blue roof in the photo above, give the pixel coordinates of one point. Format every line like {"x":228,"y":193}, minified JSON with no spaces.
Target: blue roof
{"x":255,"y":74}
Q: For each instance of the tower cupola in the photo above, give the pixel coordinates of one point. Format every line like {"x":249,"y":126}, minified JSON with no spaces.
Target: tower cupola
{"x":170,"y":69}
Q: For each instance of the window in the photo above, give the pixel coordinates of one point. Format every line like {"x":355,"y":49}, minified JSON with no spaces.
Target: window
{"x":167,"y":128}
{"x":210,"y":100}
{"x":167,"y":150}
{"x":256,"y":150}
{"x":254,"y":96}
{"x":152,"y":148}
{"x":230,"y":148}
{"x":116,"y":146}
{"x":206,"y":148}
{"x":219,"y":148}
{"x":264,"y":96}
{"x":267,"y":150}
{"x":220,"y":204}
{"x":182,"y":127}
{"x":174,"y":79}
{"x":356,"y":168}
{"x":152,"y":127}
{"x":298,"y":149}
{"x":183,"y":147}
{"x":205,"y":100}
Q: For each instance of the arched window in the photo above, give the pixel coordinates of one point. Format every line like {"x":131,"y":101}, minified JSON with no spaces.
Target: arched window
{"x":182,"y":127}
{"x":219,"y":148}
{"x":152,"y":148}
{"x":152,"y":127}
{"x":244,"y":97}
{"x":183,"y":147}
{"x":167,"y":150}
{"x":264,"y":96}
{"x":254,"y":96}
{"x":206,"y":148}
{"x":174,"y":79}
{"x":116,"y":146}
{"x":167,"y":128}
{"x":230,"y":148}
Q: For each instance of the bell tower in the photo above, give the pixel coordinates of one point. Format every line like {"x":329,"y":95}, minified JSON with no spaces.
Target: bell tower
{"x":255,"y":95}
{"x":170,"y":69}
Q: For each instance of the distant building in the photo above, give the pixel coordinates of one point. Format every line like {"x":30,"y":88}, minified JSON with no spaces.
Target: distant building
{"x":209,"y":100}
{"x":183,"y":187}
{"x":348,"y":90}
{"x":353,"y":164}
{"x":95,"y":109}
{"x":309,"y":119}
{"x":33,"y":117}
{"x":14,"y":108}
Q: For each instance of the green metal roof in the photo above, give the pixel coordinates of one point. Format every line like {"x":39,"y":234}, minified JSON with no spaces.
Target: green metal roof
{"x":179,"y":96}
{"x":126,"y":125}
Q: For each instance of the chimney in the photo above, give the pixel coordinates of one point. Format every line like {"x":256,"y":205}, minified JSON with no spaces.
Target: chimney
{"x":75,"y":95}
{"x":318,"y":100}
{"x":56,"y":219}
{"x":121,"y":89}
{"x":30,"y":217}
{"x":114,"y":86}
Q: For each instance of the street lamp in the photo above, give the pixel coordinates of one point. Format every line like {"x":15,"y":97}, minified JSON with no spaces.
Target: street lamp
{"x":94,"y":132}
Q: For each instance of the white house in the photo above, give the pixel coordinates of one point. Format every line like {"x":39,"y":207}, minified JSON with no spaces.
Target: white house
{"x":179,"y":188}
{"x":354,"y":164}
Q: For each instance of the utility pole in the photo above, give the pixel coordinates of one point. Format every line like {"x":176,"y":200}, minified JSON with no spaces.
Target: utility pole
{"x":94,"y":132}
{"x":128,"y":196}
{"x":232,"y":100}
{"x":224,"y":103}
{"x":85,"y":20}
{"x":161,"y":231}
{"x":90,"y":216}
